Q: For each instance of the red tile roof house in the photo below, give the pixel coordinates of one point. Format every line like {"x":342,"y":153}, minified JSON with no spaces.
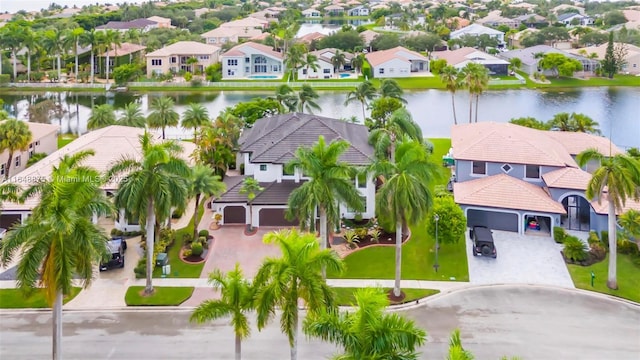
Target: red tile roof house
{"x":508,"y":176}
{"x":270,"y":144}
{"x":397,"y":62}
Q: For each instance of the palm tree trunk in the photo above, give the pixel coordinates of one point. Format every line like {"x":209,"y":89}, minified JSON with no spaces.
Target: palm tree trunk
{"x":15,"y":65}
{"x":364,"y":115}
{"x":612,"y":282}
{"x":92,"y":65}
{"x":28,"y":65}
{"x":396,"y":284}
{"x":238,"y":347}
{"x":477,"y":99}
{"x":250,"y":216}
{"x":6,"y":173}
{"x":151,"y":222}
{"x":76,"y":51}
{"x":59,"y":67}
{"x":162,"y":127}
{"x":294,"y":343}
{"x":323,"y":235}
{"x":470,"y":106}
{"x":57,"y":326}
{"x":195,"y":221}
{"x":453,"y":106}
{"x":106,"y":67}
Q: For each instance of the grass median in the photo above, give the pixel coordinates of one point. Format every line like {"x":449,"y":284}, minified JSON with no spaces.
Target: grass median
{"x":345,"y":296}
{"x":162,"y":296}
{"x":628,"y":278}
{"x":17,"y":299}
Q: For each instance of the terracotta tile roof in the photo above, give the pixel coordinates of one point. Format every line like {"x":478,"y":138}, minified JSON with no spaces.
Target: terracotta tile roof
{"x":380,"y":57}
{"x":567,"y":178}
{"x":467,"y":54}
{"x":125,"y":25}
{"x":602,"y":208}
{"x":307,"y":39}
{"x":124,"y":49}
{"x":185,"y":48}
{"x":577,"y":142}
{"x":508,"y":143}
{"x":328,"y":53}
{"x":238,"y":50}
{"x":246,"y":22}
{"x":38,"y":130}
{"x":368,"y":36}
{"x":506,"y":192}
{"x":232,"y":31}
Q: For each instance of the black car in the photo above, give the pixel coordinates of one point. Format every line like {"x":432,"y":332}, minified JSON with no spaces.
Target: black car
{"x":117,"y":246}
{"x":482,"y":242}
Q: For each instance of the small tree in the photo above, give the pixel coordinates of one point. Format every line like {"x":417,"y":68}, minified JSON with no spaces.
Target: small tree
{"x":451,"y":224}
{"x":14,"y":136}
{"x":609,"y":65}
{"x":125,"y":73}
{"x":251,"y":187}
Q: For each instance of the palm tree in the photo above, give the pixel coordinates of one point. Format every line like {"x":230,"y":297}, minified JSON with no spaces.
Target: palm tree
{"x":338,"y":60}
{"x":456,"y":351}
{"x":250,"y":187}
{"x":192,"y":61}
{"x":163,"y":114}
{"x":363,"y":93}
{"x":282,"y":282}
{"x":194,"y":117}
{"x":93,"y":40}
{"x":58,"y":244}
{"x":406,"y":195}
{"x":132,"y":35}
{"x":450,"y":76}
{"x":72,"y":40}
{"x":384,"y":138}
{"x":475,"y":77}
{"x":30,"y":43}
{"x":369,"y":332}
{"x":306,"y":99}
{"x":390,"y":88}
{"x":630,"y":222}
{"x":204,"y":182}
{"x":286,"y":97}
{"x":358,"y":61}
{"x":329,"y":185}
{"x":310,"y":61}
{"x":101,"y":116}
{"x":616,"y":180}
{"x":515,"y":64}
{"x":293,"y":58}
{"x":151,"y":187}
{"x":54,"y":43}
{"x":236,"y":300}
{"x":111,"y":38}
{"x":132,"y":116}
{"x":584,"y":123}
{"x":14,"y":136}
{"x":12,"y":39}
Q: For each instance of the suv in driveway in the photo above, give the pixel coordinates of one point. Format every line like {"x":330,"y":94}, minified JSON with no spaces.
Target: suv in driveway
{"x":482,"y":242}
{"x":117,"y":247}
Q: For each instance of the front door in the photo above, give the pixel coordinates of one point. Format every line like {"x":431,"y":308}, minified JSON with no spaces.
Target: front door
{"x":577,"y":217}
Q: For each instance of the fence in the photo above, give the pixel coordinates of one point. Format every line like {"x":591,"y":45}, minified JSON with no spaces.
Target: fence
{"x":54,"y":85}
{"x":245,"y":84}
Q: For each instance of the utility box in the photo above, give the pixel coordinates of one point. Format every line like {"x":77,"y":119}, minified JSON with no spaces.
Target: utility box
{"x":162,"y":259}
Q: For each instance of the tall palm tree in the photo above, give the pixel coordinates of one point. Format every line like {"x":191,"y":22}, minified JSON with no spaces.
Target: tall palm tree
{"x":282,"y":282}
{"x":14,"y":136}
{"x":30,"y":43}
{"x":101,"y":116}
{"x":585,"y":124}
{"x":450,"y":76}
{"x":294,"y":57}
{"x":615,"y":181}
{"x":58,"y":244}
{"x":72,"y":40}
{"x":12,"y":39}
{"x":363,"y":93}
{"x":406,"y":195}
{"x":368,"y":332}
{"x":236,"y":301}
{"x":285,"y":96}
{"x":338,"y":60}
{"x":151,"y":187}
{"x":310,"y":61}
{"x":194,"y":117}
{"x":399,"y":125}
{"x":92,"y":39}
{"x":329,"y":185}
{"x":132,"y":116}
{"x":306,"y":99}
{"x":250,"y":187}
{"x":111,"y":39}
{"x":475,"y":78}
{"x":163,"y":114}
{"x":204,"y":182}
{"x":132,"y":36}
{"x":358,"y":61}
{"x":54,"y":43}
{"x":390,"y":88}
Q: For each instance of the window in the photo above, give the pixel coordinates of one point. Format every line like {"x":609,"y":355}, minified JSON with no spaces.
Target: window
{"x":506,"y":168}
{"x":30,"y":146}
{"x":173,"y":60}
{"x":230,"y":72}
{"x":362,"y":180}
{"x":156,"y":62}
{"x":263,"y":167}
{"x":304,"y":71}
{"x":288,"y":172}
{"x":38,"y":143}
{"x":326,"y":71}
{"x":30,"y":154}
{"x":479,"y":168}
{"x":232,"y":62}
{"x":260,"y":60}
{"x":18,"y":161}
{"x":2,"y":169}
{"x":212,"y":40}
{"x":260,"y":68}
{"x":381,"y":71}
{"x":203,"y":57}
{"x":532,"y":172}
{"x":247,"y":60}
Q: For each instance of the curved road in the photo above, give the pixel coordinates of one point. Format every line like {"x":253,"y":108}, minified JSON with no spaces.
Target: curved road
{"x":530,"y":322}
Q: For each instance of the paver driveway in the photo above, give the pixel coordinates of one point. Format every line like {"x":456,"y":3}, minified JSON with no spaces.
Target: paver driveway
{"x":522,"y":259}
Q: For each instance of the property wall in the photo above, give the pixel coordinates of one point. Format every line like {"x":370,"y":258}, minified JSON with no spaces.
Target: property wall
{"x":393,"y":68}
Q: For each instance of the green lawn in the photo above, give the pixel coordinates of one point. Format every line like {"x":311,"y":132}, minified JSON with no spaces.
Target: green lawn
{"x":418,"y":257}
{"x":344,"y":296}
{"x":440,"y":147}
{"x":15,"y":299}
{"x":628,"y":278}
{"x":416,"y":83}
{"x":162,"y":296}
{"x":179,"y":268}
{"x":65,"y":139}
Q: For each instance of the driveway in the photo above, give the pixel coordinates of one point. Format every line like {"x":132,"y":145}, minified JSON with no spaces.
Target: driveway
{"x":522,"y":259}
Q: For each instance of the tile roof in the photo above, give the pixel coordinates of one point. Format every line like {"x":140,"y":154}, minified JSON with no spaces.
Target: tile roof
{"x":246,"y":22}
{"x":125,"y":25}
{"x":567,"y":178}
{"x":232,"y":195}
{"x":308,"y":38}
{"x":474,"y":29}
{"x":528,"y":55}
{"x":232,"y":31}
{"x":124,"y":49}
{"x":508,"y":143}
{"x":467,"y":54}
{"x":368,"y":36}
{"x":602,"y":207}
{"x":328,"y":53}
{"x":275,"y":139}
{"x":380,"y":57}
{"x":239,"y":50}
{"x":577,"y":142}
{"x":273,"y":193}
{"x":185,"y":48}
{"x":38,"y":130}
{"x":159,"y":19}
{"x":505,"y":192}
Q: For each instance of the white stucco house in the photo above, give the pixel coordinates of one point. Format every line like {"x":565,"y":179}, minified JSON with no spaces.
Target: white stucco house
{"x":397,"y":62}
{"x":359,"y":11}
{"x":268,"y":146}
{"x":477,"y":30}
{"x":251,"y":60}
{"x":325,"y":69}
{"x":311,"y":13}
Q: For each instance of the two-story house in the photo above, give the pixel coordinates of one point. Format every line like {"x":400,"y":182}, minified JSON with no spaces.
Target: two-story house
{"x":223,"y":35}
{"x":268,"y":146}
{"x":325,"y":68}
{"x":44,"y":140}
{"x":477,"y":30}
{"x":509,"y":177}
{"x":251,"y":60}
{"x":359,"y":10}
{"x":175,"y":57}
{"x":311,"y":13}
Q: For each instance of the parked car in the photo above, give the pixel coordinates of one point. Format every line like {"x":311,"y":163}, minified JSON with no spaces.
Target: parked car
{"x":117,"y":246}
{"x":482,"y":242}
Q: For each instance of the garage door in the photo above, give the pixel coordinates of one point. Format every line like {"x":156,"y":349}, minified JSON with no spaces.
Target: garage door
{"x":235,"y":215}
{"x":493,"y":220}
{"x":8,"y":220}
{"x":275,"y":217}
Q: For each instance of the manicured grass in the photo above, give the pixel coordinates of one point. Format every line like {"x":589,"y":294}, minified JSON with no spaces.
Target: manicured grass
{"x":65,"y":139}
{"x":16,"y":299}
{"x":162,"y":296}
{"x":344,"y":296}
{"x":628,"y":278}
{"x":179,"y":268}
{"x":618,"y":80}
{"x":416,"y":83}
{"x":418,"y":257}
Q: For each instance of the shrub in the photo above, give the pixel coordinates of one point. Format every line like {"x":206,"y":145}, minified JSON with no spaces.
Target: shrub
{"x":196,"y":249}
{"x":598,"y":252}
{"x":115,"y":232}
{"x":187,"y":253}
{"x":604,"y":238}
{"x":5,"y":78}
{"x":593,"y":238}
{"x":187,"y":238}
{"x":141,"y":269}
{"x":351,"y":237}
{"x":559,"y":235}
{"x":375,"y":235}
{"x":177,"y":213}
{"x":37,"y":76}
{"x":361,"y":232}
{"x":452,"y":223}
{"x":357,"y":217}
{"x":574,"y":249}
{"x":53,"y":75}
{"x":628,"y":247}
{"x":196,"y":81}
{"x":188,"y":76}
{"x":204,"y":233}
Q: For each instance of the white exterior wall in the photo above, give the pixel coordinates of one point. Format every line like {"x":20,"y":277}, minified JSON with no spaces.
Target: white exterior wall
{"x":273,"y":172}
{"x":394,"y":68}
{"x":122,"y":224}
{"x":231,"y":71}
{"x":46,"y":144}
{"x":245,"y":69}
{"x":319,"y":73}
{"x":369,"y":192}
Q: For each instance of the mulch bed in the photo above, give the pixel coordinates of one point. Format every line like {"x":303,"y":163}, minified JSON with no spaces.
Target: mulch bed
{"x":383,"y":239}
{"x":396,"y":299}
{"x":197,"y":259}
{"x":250,"y":231}
{"x":590,"y":260}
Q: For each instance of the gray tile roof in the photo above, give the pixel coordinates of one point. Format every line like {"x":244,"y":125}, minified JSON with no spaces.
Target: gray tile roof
{"x":125,"y":25}
{"x":528,"y":55}
{"x":275,"y":139}
{"x":234,"y":183}
{"x":273,"y":193}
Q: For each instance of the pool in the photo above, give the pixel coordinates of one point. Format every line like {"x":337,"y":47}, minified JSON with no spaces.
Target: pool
{"x":263,"y":77}
{"x":342,"y":76}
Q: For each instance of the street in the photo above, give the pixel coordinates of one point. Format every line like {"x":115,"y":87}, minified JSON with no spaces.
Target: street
{"x":529,"y":322}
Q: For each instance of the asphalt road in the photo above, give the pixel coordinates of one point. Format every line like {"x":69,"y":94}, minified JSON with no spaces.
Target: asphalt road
{"x":531,"y":322}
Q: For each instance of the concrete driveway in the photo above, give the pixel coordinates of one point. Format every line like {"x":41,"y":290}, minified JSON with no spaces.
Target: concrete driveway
{"x":522,"y":259}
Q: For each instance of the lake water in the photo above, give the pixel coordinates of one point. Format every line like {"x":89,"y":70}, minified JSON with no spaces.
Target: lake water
{"x":616,"y":109}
